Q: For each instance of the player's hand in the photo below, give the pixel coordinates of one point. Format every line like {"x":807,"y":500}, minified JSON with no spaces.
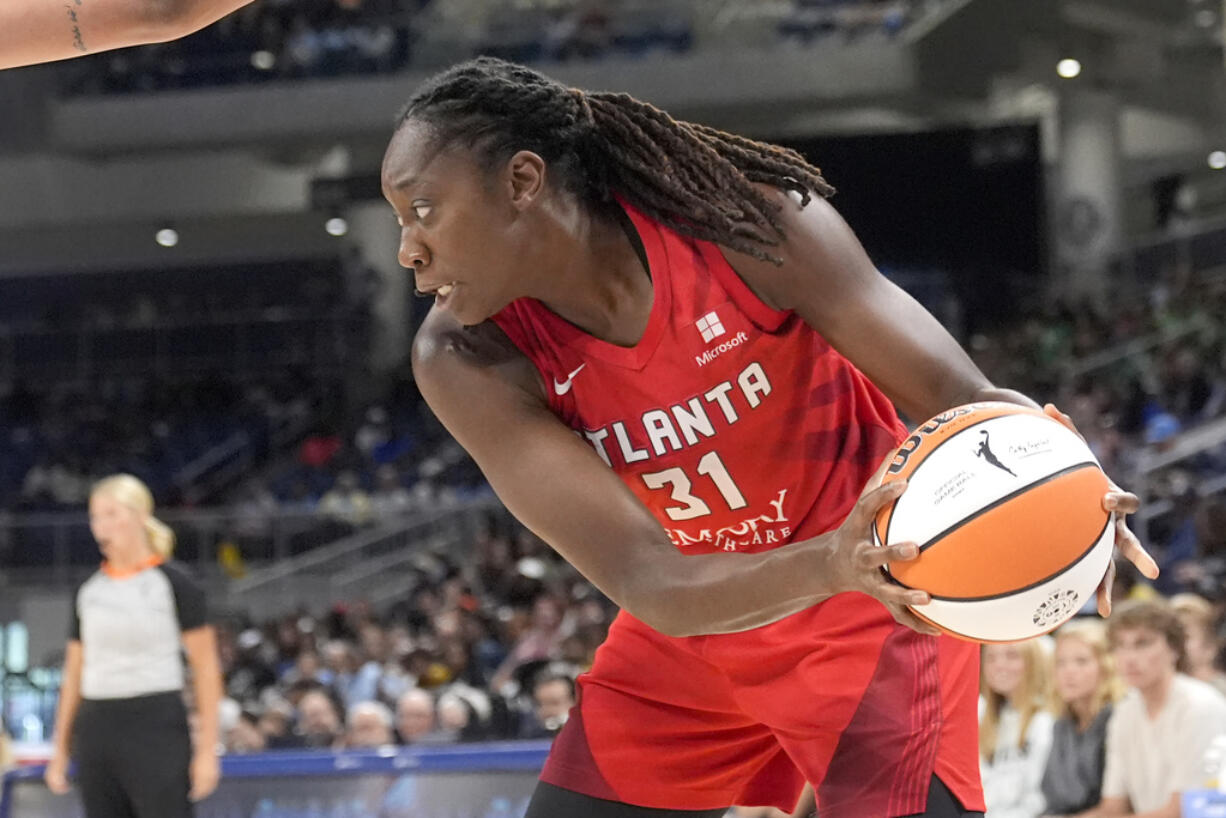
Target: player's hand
{"x":1121,"y":503}
{"x":859,"y":564}
{"x":56,"y":775}
{"x":205,"y":772}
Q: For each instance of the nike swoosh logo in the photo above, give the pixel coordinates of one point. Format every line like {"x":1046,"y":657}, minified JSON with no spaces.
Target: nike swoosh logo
{"x":562,"y":387}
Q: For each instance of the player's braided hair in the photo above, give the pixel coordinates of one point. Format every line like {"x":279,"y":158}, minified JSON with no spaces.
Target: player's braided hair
{"x":696,"y":179}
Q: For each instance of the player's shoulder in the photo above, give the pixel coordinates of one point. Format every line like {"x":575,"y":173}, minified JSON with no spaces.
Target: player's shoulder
{"x":448,"y":356}
{"x":812,"y":240}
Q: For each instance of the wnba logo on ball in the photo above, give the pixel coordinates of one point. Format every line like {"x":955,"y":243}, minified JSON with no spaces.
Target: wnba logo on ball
{"x":1056,"y":608}
{"x":912,"y":443}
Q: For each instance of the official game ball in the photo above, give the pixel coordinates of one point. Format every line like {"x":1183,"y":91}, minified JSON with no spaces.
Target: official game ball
{"x":1005,"y":504}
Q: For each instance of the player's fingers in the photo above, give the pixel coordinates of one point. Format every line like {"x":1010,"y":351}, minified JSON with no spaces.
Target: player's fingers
{"x":1052,"y":412}
{"x":1104,"y":590}
{"x":903,"y":616}
{"x":1125,"y":502}
{"x":871,"y":556}
{"x":866,"y":508}
{"x":1133,"y":551}
{"x":905,"y":596}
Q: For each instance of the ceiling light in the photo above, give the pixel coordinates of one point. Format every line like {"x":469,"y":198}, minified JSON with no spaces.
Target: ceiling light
{"x":1068,"y":68}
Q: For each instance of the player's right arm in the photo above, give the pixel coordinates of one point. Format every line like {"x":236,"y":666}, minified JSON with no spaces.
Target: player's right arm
{"x":36,"y":31}
{"x":490,"y":397}
{"x":56,"y":774}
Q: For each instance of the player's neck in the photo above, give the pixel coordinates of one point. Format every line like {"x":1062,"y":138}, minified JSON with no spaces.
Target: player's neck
{"x":595,"y":279}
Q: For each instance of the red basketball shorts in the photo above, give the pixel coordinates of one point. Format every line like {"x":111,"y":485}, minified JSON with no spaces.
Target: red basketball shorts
{"x":838,"y":694}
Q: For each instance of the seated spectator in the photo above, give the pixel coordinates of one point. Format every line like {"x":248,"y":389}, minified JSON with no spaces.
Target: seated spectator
{"x":370,"y":726}
{"x":1086,"y":691}
{"x":389,"y":498}
{"x":319,"y":722}
{"x":415,"y":719}
{"x":1158,"y":734}
{"x":346,"y":502}
{"x":1203,"y":646}
{"x":553,"y":695}
{"x":1015,"y":729}
{"x":276,"y":725}
{"x":245,"y":736}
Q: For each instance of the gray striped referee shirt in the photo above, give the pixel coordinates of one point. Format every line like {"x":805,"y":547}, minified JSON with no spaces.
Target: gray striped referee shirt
{"x":130,"y":630}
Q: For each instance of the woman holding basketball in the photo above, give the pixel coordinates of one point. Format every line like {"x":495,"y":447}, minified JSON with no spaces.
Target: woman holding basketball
{"x":671,"y":359}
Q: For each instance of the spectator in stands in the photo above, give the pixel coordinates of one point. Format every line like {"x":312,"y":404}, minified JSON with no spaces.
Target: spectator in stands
{"x":370,"y":726}
{"x":374,"y":432}
{"x":457,"y":719}
{"x":1087,"y":688}
{"x":346,"y":502}
{"x":276,"y":724}
{"x":245,"y":736}
{"x":415,"y":718}
{"x":390,"y":498}
{"x":539,"y":641}
{"x":319,"y":721}
{"x":1015,"y":727}
{"x":1158,"y":734}
{"x":1202,"y":645}
{"x":553,"y":695}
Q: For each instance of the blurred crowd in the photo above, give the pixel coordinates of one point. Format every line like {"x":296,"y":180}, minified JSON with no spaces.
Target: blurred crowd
{"x":1132,"y":711}
{"x":285,"y":39}
{"x":1134,"y":374}
{"x":485,"y":649}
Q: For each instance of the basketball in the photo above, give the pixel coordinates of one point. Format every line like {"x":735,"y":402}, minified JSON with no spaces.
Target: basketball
{"x":1005,"y":504}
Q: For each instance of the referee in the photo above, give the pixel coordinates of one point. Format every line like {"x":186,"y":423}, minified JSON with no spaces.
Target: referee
{"x":121,"y":714}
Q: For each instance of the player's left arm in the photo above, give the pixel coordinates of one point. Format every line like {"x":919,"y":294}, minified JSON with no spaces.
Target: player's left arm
{"x":37,"y":31}
{"x":829,"y":281}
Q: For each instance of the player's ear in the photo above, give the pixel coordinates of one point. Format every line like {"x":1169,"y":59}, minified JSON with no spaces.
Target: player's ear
{"x":524,"y":178}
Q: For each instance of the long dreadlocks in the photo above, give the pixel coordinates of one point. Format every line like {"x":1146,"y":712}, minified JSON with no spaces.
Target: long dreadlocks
{"x":695,"y":179}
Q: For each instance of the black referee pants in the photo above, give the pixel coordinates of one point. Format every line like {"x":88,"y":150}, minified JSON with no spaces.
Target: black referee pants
{"x":133,"y":757}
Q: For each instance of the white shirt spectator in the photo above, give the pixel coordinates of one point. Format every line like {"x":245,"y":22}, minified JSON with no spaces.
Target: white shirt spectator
{"x":1012,"y":779}
{"x":1150,"y":760}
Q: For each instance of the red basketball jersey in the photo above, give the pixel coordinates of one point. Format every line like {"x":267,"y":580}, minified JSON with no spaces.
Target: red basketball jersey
{"x":743,"y":430}
{"x":736,"y":424}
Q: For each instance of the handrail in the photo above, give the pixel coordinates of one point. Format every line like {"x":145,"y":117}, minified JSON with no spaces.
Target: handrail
{"x":352,"y":544}
{"x":1111,"y":355}
{"x":1184,"y":445}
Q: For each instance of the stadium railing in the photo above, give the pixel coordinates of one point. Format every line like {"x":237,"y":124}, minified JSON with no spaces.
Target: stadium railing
{"x":489,"y":780}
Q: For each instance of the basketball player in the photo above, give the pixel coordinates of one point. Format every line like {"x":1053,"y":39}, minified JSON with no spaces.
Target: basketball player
{"x":671,"y":358}
{"x":34,"y":31}
{"x":121,"y":714}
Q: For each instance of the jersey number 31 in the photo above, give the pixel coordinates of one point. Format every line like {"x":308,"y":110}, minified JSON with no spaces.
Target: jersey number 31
{"x":710,"y":466}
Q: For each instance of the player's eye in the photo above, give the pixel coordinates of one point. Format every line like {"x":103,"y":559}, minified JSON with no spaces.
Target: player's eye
{"x":421,"y":211}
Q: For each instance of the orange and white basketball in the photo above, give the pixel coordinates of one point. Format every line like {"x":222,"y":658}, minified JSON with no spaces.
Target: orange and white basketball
{"x":1005,"y":504}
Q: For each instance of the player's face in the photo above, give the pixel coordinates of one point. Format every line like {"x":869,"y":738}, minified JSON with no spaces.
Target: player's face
{"x":117,"y":528}
{"x":1003,"y":668}
{"x":1143,"y":657}
{"x":1077,"y":670}
{"x":458,"y":230}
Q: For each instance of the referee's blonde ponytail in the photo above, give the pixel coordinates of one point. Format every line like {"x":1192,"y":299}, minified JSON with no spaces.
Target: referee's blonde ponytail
{"x":133,"y":493}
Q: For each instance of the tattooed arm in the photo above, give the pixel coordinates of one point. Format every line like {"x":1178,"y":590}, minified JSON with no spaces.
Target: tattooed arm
{"x":34,"y":31}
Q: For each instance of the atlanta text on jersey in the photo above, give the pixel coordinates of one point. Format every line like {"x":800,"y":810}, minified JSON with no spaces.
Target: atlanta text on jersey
{"x":683,"y":424}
